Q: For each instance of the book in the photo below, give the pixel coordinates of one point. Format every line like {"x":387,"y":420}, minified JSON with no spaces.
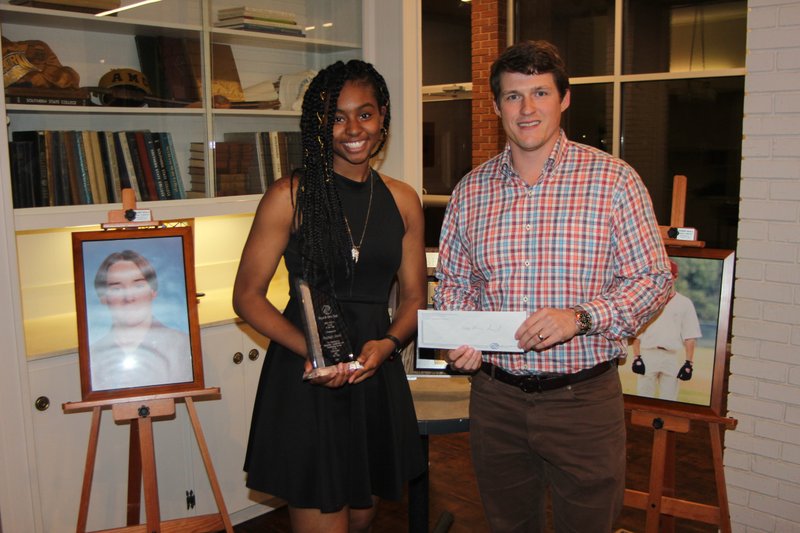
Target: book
{"x":150,"y":64}
{"x":110,"y":166}
{"x":250,"y":19}
{"x":75,"y":170}
{"x":266,"y":155}
{"x":21,"y":162}
{"x":292,"y":149}
{"x":71,"y":195}
{"x":48,"y":142}
{"x":231,"y":184}
{"x":195,"y":62}
{"x":151,"y":166}
{"x":145,"y":169}
{"x":161,"y":165}
{"x":60,"y":170}
{"x":75,"y":149}
{"x":181,"y":84}
{"x":251,"y":162}
{"x":80,"y":6}
{"x":44,"y":96}
{"x":171,"y":164}
{"x":40,"y":183}
{"x":262,"y":162}
{"x":128,"y":179}
{"x":224,"y":75}
{"x":147,"y":192}
{"x":264,"y":28}
{"x":275,"y":152}
{"x":278,"y":16}
{"x":197,"y":149}
{"x":88,"y":151}
{"x":102,"y":180}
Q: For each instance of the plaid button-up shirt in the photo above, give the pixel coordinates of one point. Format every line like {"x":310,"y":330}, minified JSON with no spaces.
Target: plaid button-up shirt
{"x":583,"y":234}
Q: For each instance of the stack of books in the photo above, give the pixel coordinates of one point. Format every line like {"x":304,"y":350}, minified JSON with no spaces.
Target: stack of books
{"x":258,"y":19}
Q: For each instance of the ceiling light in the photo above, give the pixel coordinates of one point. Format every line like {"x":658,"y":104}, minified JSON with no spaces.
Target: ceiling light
{"x":123,"y":8}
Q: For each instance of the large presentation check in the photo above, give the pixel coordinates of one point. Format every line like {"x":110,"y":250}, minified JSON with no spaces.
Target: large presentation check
{"x":488,"y":331}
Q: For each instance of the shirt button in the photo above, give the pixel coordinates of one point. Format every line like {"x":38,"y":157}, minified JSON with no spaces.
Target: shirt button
{"x":525,"y":299}
{"x":527,"y":263}
{"x":530,"y":193}
{"x":527,"y":227}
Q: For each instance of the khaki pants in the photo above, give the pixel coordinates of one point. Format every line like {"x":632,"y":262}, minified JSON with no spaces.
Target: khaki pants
{"x":660,"y":379}
{"x":571,"y":439}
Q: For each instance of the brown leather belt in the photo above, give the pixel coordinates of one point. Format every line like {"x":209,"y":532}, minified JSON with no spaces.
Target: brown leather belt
{"x":545,"y":382}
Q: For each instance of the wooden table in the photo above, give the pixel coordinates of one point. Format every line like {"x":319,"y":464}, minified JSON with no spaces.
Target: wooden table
{"x":442,"y":405}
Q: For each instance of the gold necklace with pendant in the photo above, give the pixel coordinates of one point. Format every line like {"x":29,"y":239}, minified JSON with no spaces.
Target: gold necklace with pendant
{"x":355,"y":250}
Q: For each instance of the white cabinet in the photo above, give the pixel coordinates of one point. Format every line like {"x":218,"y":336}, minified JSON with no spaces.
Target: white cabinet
{"x":232,"y":356}
{"x":60,"y":445}
{"x":61,"y":440}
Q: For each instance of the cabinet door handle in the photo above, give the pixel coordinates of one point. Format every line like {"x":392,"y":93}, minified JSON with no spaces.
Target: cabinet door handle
{"x":253,"y":354}
{"x":238,"y":357}
{"x":42,"y":403}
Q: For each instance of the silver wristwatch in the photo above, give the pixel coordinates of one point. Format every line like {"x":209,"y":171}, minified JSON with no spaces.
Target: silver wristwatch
{"x":583,"y":320}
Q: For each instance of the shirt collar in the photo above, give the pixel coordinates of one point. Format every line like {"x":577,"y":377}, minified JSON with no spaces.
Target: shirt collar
{"x":555,"y":157}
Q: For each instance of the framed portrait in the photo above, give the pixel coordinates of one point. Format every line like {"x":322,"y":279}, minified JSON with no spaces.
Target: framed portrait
{"x":678,"y":359}
{"x":136,"y":303}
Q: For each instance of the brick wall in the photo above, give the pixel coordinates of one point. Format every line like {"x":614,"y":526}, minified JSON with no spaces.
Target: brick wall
{"x":762,"y":456}
{"x":488,"y":40}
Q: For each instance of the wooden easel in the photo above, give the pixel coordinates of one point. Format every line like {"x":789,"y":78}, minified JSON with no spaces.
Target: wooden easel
{"x":140,"y":411}
{"x":678,"y":215}
{"x":659,"y":502}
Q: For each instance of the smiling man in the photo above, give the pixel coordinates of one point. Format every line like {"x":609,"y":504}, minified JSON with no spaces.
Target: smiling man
{"x":567,"y":234}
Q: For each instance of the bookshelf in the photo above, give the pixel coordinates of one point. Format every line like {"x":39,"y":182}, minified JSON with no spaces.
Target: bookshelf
{"x":92,"y":46}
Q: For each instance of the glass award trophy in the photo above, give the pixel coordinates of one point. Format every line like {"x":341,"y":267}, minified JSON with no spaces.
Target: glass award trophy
{"x":325,"y":330}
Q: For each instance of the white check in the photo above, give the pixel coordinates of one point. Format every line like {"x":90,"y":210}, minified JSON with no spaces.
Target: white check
{"x":488,"y":331}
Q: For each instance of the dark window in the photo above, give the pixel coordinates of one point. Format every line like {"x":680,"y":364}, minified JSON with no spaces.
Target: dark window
{"x":680,"y":36}
{"x":691,"y":127}
{"x":446,"y":42}
{"x":583,"y":30}
{"x":588,"y":118}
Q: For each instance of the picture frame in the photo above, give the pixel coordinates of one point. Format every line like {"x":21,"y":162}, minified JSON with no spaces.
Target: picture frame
{"x":705,"y":279}
{"x":136,"y":305}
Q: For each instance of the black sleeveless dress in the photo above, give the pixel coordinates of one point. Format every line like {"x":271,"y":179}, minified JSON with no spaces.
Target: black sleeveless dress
{"x":327,"y":448}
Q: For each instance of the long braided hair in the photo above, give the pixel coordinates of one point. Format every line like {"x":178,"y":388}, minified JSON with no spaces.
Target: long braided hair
{"x":319,"y":220}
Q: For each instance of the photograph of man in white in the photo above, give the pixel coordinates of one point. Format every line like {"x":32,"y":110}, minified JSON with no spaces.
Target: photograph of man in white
{"x":664,"y":348}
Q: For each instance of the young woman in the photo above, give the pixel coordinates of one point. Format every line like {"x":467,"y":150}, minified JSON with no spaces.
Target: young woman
{"x":334,"y":445}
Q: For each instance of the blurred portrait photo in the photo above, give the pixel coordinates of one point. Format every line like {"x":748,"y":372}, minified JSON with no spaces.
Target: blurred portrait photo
{"x":137,"y":317}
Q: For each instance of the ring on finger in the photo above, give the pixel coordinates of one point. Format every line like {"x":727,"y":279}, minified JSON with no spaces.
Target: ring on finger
{"x":540,"y":336}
